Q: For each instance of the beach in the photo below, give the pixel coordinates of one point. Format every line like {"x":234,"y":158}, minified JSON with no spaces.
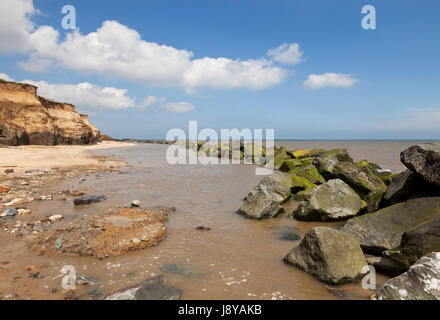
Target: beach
{"x":236,"y":258}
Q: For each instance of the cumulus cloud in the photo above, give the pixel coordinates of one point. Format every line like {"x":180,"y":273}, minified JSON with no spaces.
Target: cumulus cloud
{"x":286,"y":53}
{"x":16,"y":25}
{"x":178,"y":106}
{"x":117,"y":51}
{"x":85,"y":95}
{"x":319,"y":81}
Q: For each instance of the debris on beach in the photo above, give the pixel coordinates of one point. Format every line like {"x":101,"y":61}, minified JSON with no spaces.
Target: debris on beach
{"x":101,"y":235}
{"x":89,"y":200}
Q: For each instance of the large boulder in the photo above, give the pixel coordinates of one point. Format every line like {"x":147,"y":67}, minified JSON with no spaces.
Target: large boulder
{"x":325,"y":162}
{"x":364,"y":181}
{"x":424,"y":160}
{"x":402,"y":187}
{"x":331,"y":201}
{"x":382,"y":230}
{"x":264,"y":201}
{"x":329,"y":255}
{"x":420,"y":282}
{"x":416,"y":243}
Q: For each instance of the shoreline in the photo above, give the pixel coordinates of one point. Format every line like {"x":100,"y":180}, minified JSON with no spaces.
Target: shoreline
{"x":34,"y":157}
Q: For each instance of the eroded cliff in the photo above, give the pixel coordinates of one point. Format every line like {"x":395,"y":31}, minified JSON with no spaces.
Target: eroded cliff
{"x":26,"y":118}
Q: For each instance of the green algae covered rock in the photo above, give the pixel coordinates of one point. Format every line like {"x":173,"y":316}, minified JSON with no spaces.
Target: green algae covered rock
{"x":293,"y":163}
{"x":309,"y":172}
{"x":363,"y":180}
{"x":300,"y":184}
{"x":331,"y":201}
{"x":264,"y":201}
{"x":329,"y":255}
{"x":280,"y":156}
{"x":325,"y":162}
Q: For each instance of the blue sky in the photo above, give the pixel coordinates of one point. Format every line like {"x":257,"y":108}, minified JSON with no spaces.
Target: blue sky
{"x":378,"y":84}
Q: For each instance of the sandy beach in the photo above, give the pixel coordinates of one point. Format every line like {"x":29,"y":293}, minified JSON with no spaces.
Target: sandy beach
{"x":32,"y":157}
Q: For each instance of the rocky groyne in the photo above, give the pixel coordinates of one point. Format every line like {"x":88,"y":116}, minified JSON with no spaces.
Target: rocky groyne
{"x":26,"y":118}
{"x":392,"y":221}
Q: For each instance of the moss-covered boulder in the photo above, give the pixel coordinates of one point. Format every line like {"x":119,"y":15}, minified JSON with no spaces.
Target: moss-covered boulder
{"x":363,"y":180}
{"x":329,"y":255}
{"x":420,"y":282}
{"x":300,"y":184}
{"x":331,"y":201}
{"x":264,"y":201}
{"x":382,"y":230}
{"x":299,"y":153}
{"x":309,"y":172}
{"x":325,"y":162}
{"x":416,"y":243}
{"x":280,"y":156}
{"x":293,"y":163}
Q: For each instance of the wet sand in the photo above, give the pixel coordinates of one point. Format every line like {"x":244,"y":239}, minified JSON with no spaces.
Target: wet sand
{"x":237,"y":259}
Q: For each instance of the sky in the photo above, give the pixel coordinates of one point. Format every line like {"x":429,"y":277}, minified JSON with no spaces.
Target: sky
{"x":307,"y":69}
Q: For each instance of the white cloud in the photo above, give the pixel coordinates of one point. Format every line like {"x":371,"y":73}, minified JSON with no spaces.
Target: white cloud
{"x":178,"y":107}
{"x":148,"y":101}
{"x":4,"y":76}
{"x":85,"y":95}
{"x":117,"y":51}
{"x":318,"y":81}
{"x":286,"y":53}
{"x":15,"y":25}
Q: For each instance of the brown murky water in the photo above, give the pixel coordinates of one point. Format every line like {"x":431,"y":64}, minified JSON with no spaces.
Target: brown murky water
{"x":237,"y":259}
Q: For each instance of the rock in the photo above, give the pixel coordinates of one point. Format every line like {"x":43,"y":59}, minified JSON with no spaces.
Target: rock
{"x":89,"y":200}
{"x":173,"y":268}
{"x":55,"y":218}
{"x":135,"y":203}
{"x":331,"y":201}
{"x":364,"y":181}
{"x":23,"y":211}
{"x":325,"y":162}
{"x":293,"y":163}
{"x":158,"y":292}
{"x":8,"y":171}
{"x":264,"y":201}
{"x":76,"y":193}
{"x":26,"y":118}
{"x":309,"y":172}
{"x":382,"y":230}
{"x":287,"y":233}
{"x":203,"y":228}
{"x":385,"y":266}
{"x":105,"y":234}
{"x":86,"y":280}
{"x":299,"y":153}
{"x":416,"y":243}
{"x":280,"y":156}
{"x":420,"y":282}
{"x":329,"y":255}
{"x":300,"y":184}
{"x":154,"y":288}
{"x":9,"y":212}
{"x":404,"y":185}
{"x":424,"y":160}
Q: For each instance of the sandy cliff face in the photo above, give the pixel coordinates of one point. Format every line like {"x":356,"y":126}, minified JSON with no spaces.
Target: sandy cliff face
{"x":26,"y":118}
